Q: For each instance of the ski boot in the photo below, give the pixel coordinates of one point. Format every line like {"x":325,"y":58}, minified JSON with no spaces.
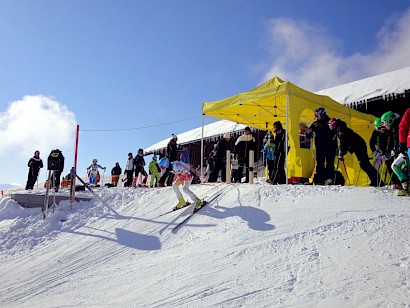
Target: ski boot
{"x":404,"y":191}
{"x":198,"y":204}
{"x":182,"y":203}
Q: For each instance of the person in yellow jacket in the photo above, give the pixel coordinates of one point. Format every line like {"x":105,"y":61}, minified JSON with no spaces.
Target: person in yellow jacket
{"x":154,"y":170}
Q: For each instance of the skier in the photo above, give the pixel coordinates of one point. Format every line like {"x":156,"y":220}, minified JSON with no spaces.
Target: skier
{"x":220,"y":158}
{"x":172,"y":155}
{"x":115,"y":174}
{"x":129,"y":170}
{"x":352,"y":142}
{"x":139,"y":162}
{"x":279,"y":141}
{"x":401,"y":165}
{"x":325,"y":145}
{"x":154,"y":170}
{"x":269,"y":156}
{"x":34,"y":164}
{"x":382,"y":143}
{"x":93,"y":173}
{"x":183,"y":176}
{"x":243,"y":145}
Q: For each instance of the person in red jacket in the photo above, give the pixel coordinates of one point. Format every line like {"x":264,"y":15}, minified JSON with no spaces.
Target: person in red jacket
{"x":401,"y":164}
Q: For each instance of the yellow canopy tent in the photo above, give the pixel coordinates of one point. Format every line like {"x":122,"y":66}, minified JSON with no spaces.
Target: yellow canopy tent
{"x":278,"y":100}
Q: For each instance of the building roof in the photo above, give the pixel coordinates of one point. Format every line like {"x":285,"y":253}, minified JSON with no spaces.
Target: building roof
{"x":216,"y":129}
{"x":385,"y":85}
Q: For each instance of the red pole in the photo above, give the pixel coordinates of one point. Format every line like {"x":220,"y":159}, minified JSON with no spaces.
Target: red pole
{"x":76,"y":147}
{"x":73,"y":174}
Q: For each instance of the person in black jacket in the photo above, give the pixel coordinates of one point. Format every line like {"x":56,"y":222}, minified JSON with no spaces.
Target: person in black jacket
{"x":326,"y":146}
{"x":352,"y":142}
{"x":139,"y":163}
{"x":34,"y":164}
{"x":382,"y":143}
{"x":220,"y":159}
{"x":173,"y":155}
{"x":243,"y":145}
{"x":115,"y":174}
{"x":279,"y":141}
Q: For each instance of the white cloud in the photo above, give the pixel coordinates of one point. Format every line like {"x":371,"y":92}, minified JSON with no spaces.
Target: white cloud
{"x":33,"y":123}
{"x":306,"y":55}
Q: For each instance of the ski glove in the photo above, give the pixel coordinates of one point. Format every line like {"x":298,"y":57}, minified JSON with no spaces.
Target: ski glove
{"x":377,"y":153}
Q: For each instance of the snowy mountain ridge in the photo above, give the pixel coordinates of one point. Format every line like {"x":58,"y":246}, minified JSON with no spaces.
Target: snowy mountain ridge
{"x":254,"y":246}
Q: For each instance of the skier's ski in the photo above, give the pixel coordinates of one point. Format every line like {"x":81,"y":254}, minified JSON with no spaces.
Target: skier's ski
{"x":172,"y":211}
{"x":206,"y":202}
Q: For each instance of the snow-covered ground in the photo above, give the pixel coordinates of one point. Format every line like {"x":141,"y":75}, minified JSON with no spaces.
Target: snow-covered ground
{"x":254,"y":246}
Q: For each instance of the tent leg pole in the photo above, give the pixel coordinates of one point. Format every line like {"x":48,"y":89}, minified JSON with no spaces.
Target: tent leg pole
{"x":228,"y":166}
{"x":286,"y":137}
{"x":202,"y":149}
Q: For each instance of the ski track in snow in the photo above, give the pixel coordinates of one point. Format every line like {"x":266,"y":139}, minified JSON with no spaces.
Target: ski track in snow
{"x":253,"y":246}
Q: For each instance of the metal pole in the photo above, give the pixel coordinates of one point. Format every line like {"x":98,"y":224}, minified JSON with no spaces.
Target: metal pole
{"x":286,"y":136}
{"x":251,"y":164}
{"x":202,"y":149}
{"x":228,"y":166}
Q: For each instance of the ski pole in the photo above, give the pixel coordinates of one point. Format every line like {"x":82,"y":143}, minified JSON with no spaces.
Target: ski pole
{"x":103,"y":177}
{"x":337,"y":168}
{"x":347,"y":176}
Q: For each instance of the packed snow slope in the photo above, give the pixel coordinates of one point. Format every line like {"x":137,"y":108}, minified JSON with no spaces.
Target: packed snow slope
{"x":253,"y":246}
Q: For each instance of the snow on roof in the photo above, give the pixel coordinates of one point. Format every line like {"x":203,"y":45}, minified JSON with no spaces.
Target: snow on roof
{"x":210,"y":130}
{"x":387,"y":84}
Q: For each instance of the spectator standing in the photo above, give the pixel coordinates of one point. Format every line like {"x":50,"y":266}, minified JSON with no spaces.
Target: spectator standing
{"x":326,"y":146}
{"x":243,"y":145}
{"x":352,"y":142}
{"x":220,"y":158}
{"x":172,"y":155}
{"x":35,"y":164}
{"x":154,"y":170}
{"x":115,"y":174}
{"x":129,"y":170}
{"x":279,"y":141}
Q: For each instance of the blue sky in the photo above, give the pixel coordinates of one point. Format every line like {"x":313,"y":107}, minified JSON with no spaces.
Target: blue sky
{"x":110,"y":65}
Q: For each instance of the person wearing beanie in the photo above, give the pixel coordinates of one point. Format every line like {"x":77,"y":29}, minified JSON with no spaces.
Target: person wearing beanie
{"x":325,"y":146}
{"x":154,"y":170}
{"x":139,"y":163}
{"x":243,"y":145}
{"x":115,"y":174}
{"x":279,"y":141}
{"x":35,"y":164}
{"x":129,"y":170}
{"x":222,"y":146}
{"x":352,"y":142}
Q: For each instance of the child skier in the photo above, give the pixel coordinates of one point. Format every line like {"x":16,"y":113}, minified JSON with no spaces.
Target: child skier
{"x":269,"y":157}
{"x":93,"y":173}
{"x":154,"y":170}
{"x":183,"y":176}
